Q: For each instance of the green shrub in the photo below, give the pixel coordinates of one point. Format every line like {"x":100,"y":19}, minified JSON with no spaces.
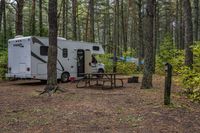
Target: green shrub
{"x":3,"y":63}
{"x":127,"y":68}
{"x":168,"y":53}
{"x":191,"y":77}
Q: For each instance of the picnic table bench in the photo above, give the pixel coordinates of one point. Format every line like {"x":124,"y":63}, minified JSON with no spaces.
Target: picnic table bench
{"x":101,"y":79}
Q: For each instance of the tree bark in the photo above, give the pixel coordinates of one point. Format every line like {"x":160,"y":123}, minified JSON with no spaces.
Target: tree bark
{"x":2,"y":3}
{"x":52,"y":51}
{"x":124,"y":28}
{"x":148,"y":59}
{"x":66,"y":19}
{"x":4,"y":26}
{"x":188,"y":32}
{"x":155,"y":29}
{"x":74,"y":21}
{"x":33,"y":18}
{"x":181,"y":32}
{"x":140,"y":32}
{"x":196,"y":20}
{"x":177,"y":25}
{"x":40,"y":19}
{"x":19,"y":17}
{"x":63,"y":18}
{"x":91,"y":12}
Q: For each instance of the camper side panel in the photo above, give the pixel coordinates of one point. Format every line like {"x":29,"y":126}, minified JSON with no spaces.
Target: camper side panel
{"x":19,"y":58}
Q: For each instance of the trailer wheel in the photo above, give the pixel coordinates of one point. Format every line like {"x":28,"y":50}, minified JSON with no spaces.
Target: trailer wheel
{"x":100,"y":71}
{"x":65,"y":77}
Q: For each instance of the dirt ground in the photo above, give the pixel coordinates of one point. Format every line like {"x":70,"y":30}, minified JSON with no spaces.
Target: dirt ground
{"x":93,"y":110}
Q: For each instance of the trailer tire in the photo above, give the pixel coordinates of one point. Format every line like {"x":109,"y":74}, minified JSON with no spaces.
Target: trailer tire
{"x":65,"y":77}
{"x":100,"y":71}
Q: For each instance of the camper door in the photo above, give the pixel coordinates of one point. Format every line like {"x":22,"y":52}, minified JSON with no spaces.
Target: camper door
{"x":83,"y":62}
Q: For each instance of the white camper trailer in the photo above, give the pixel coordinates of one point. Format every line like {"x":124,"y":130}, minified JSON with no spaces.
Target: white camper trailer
{"x":27,"y":58}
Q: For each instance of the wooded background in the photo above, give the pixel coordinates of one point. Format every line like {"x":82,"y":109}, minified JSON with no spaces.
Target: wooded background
{"x":140,"y":27}
{"x":109,"y":22}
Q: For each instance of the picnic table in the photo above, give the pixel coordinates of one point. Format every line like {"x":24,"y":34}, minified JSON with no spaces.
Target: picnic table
{"x":100,"y":79}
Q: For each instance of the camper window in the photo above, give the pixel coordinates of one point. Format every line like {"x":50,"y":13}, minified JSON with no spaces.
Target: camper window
{"x":44,"y":50}
{"x":65,"y":53}
{"x":95,"y":48}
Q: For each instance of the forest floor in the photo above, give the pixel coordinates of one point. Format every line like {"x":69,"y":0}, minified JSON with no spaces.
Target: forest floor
{"x":92,"y":110}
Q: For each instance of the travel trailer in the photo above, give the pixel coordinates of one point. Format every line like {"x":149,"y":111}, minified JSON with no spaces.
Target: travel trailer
{"x":28,"y":56}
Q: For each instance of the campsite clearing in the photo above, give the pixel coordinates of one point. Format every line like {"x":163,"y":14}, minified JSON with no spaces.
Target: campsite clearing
{"x":128,"y":109}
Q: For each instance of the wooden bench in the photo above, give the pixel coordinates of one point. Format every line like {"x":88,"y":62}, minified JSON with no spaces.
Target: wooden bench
{"x":100,"y":81}
{"x":87,"y":82}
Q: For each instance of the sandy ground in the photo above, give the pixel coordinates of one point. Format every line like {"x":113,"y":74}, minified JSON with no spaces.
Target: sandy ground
{"x":93,"y":110}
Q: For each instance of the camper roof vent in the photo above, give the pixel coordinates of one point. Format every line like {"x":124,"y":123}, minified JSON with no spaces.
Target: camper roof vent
{"x":61,"y":38}
{"x":18,"y":36}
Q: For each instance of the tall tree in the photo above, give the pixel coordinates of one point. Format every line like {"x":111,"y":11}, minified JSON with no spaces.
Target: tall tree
{"x":40,"y":18}
{"x":19,"y":17}
{"x":4,"y":25}
{"x":66,"y":18}
{"x":52,"y":51}
{"x":91,"y":12}
{"x":177,"y":25}
{"x":148,"y":59}
{"x":74,"y":20}
{"x":188,"y":32}
{"x":140,"y":47}
{"x":181,"y":27}
{"x":2,"y":3}
{"x":33,"y":18}
{"x":155,"y":31}
{"x":124,"y":27}
{"x":196,"y":20}
{"x":63,"y":18}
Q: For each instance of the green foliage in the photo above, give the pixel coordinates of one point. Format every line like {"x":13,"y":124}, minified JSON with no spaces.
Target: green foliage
{"x":3,"y":63}
{"x":122,"y":67}
{"x":169,"y":54}
{"x":191,"y":77}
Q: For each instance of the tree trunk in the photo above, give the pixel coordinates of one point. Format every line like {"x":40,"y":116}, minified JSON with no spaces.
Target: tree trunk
{"x":66,"y":19}
{"x":196,"y":20}
{"x":33,"y":18}
{"x":2,"y":3}
{"x":155,"y":29}
{"x":140,"y":32}
{"x":52,"y":51}
{"x":40,"y":18}
{"x":188,"y":32}
{"x":74,"y":22}
{"x":63,"y":18}
{"x":19,"y":17}
{"x":124,"y":28}
{"x":148,"y":59}
{"x":177,"y":25}
{"x":181,"y":32}
{"x":91,"y":12}
{"x":4,"y":26}
{"x":86,"y":26}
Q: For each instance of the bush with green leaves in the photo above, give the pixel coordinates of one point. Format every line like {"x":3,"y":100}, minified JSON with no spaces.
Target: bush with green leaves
{"x":169,"y":54}
{"x":127,"y":68}
{"x":191,"y":77}
{"x":3,"y":63}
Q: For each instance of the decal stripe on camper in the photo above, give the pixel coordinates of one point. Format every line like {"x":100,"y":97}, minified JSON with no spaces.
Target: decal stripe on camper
{"x":61,"y":65}
{"x":35,"y":40}
{"x":37,"y":57}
